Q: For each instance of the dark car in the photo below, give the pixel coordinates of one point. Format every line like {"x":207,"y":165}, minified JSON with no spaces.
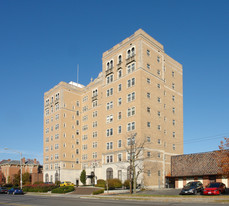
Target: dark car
{"x":3,"y":190}
{"x":15,"y":191}
{"x":215,"y":188}
{"x":192,"y":188}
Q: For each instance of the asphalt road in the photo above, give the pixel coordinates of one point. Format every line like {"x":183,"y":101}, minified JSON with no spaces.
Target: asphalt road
{"x":30,"y":200}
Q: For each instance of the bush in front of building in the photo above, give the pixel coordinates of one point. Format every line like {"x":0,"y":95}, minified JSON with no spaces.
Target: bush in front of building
{"x":101,"y":183}
{"x":39,"y":187}
{"x":65,"y":189}
{"x":126,"y":184}
{"x":83,"y":177}
{"x":98,"y":192}
{"x":114,"y":183}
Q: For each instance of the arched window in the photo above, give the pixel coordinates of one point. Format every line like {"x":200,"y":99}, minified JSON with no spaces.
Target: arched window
{"x":133,"y":51}
{"x":111,"y":63}
{"x":109,"y":173}
{"x":46,"y":177}
{"x":119,"y":59}
{"x":128,"y":54}
{"x":108,"y":65}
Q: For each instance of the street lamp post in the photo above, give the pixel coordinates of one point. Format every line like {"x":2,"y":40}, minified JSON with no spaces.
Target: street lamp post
{"x":20,"y":164}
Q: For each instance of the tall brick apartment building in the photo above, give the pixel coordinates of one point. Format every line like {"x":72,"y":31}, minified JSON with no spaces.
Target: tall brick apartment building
{"x":9,"y":168}
{"x":139,"y":90}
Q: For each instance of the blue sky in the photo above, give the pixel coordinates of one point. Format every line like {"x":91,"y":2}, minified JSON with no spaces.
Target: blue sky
{"x":41,"y":43}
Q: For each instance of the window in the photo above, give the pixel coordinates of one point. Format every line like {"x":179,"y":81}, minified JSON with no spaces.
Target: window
{"x":148,"y":154}
{"x":94,"y":134}
{"x":173,"y":74}
{"x":94,"y":124}
{"x":158,"y":72}
{"x":131,"y":52}
{"x":57,"y":116}
{"x":148,"y":95}
{"x":130,"y":126}
{"x":159,"y":127}
{"x":109,"y":105}
{"x":109,"y":118}
{"x":119,"y":143}
{"x":130,"y":68}
{"x":148,"y":173}
{"x":148,"y":109}
{"x":119,"y":59}
{"x":77,"y":113}
{"x":119,"y":73}
{"x":173,"y":98}
{"x":85,"y":127}
{"x":148,"y":124}
{"x":159,"y":141}
{"x":109,"y":145}
{"x":46,"y":149}
{"x":158,"y":59}
{"x":94,"y":155}
{"x":110,"y":92}
{"x":131,"y":111}
{"x":130,"y":82}
{"x":46,"y":121}
{"x":159,"y":155}
{"x":174,"y":134}
{"x":84,"y":146}
{"x":119,"y":129}
{"x":120,"y":115}
{"x":174,"y":147}
{"x":131,"y":97}
{"x":56,"y":156}
{"x":174,"y":110}
{"x":119,"y":101}
{"x":159,"y":113}
{"x":95,"y":103}
{"x":159,"y":99}
{"x":94,"y":144}
{"x":148,"y":66}
{"x":47,"y":112}
{"x":56,"y":146}
{"x":148,"y":80}
{"x":84,"y":156}
{"x":174,"y":122}
{"x":46,"y":139}
{"x":120,"y":87}
{"x":56,"y":136}
{"x":109,"y":132}
{"x":173,"y":86}
{"x":110,"y":159}
{"x":95,"y":113}
{"x":148,"y":52}
{"x":57,"y":96}
{"x":47,"y":130}
{"x":56,"y":126}
{"x":159,"y":173}
{"x":85,"y":137}
{"x":158,"y":86}
{"x":148,"y":139}
{"x":119,"y":157}
{"x":110,"y":79}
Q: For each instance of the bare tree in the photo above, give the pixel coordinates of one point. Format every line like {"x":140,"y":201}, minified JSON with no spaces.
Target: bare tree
{"x":135,"y":151}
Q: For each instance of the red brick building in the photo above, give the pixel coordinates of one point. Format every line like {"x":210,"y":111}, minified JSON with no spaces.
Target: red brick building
{"x":9,"y":168}
{"x":202,"y":167}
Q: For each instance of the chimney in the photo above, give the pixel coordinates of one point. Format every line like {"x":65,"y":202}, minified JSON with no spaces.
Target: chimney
{"x":23,"y":160}
{"x":35,"y":161}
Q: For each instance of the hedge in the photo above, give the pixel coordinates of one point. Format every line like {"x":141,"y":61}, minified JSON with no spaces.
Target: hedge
{"x":98,"y":192}
{"x":65,"y":189}
{"x":39,"y":188}
{"x":112,"y":184}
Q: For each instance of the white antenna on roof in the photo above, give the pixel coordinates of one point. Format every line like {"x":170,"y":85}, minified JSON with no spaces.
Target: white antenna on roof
{"x":77,"y":75}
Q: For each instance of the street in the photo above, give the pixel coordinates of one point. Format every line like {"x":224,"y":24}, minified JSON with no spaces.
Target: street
{"x":31,"y":200}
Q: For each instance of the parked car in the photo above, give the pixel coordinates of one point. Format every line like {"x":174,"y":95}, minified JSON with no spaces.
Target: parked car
{"x":66,"y":183}
{"x":214,"y":188}
{"x":192,"y":188}
{"x":15,"y":191}
{"x":3,"y":190}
